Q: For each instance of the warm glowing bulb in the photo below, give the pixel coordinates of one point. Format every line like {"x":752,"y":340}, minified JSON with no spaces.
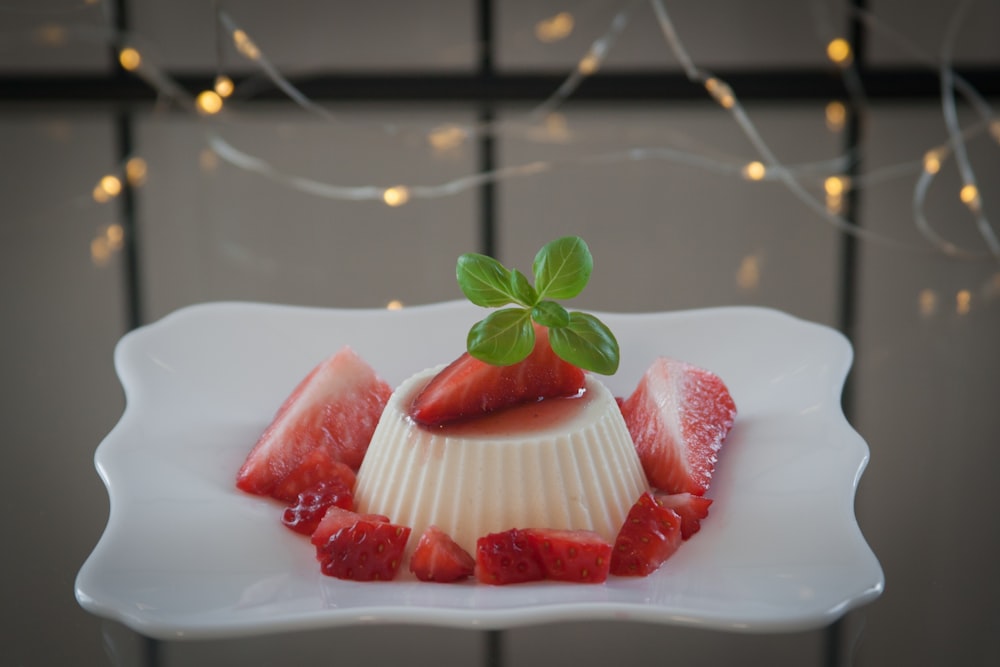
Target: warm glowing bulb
{"x":245,"y":45}
{"x":208,"y":102}
{"x":224,"y":86}
{"x":115,"y":236}
{"x":100,"y":251}
{"x":446,"y":138}
{"x":395,"y":304}
{"x":396,"y":196}
{"x":834,"y":203}
{"x":589,"y":64}
{"x":754,"y":171}
{"x":927,"y":302}
{"x":554,"y":28}
{"x":100,"y":195}
{"x":135,"y":171}
{"x":835,"y":185}
{"x":836,"y":114}
{"x":932,"y":162}
{"x":969,"y":194}
{"x":52,"y":35}
{"x":111,"y":185}
{"x":748,"y":275}
{"x":721,"y":92}
{"x":130,"y":59}
{"x":963,"y":302}
{"x":839,"y":51}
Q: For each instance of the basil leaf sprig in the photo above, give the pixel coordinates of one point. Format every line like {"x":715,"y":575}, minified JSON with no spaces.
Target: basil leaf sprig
{"x":562,"y":269}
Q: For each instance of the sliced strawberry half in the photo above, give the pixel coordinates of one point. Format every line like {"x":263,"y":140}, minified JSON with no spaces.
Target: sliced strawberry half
{"x":507,"y":557}
{"x":439,"y":558}
{"x":691,"y":509}
{"x":580,"y":556}
{"x":329,"y":418}
{"x":469,"y":388}
{"x":308,"y":509}
{"x":678,"y":416}
{"x":650,"y":534}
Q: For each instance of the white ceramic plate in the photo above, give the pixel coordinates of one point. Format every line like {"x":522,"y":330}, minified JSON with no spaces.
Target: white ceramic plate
{"x":187,"y":555}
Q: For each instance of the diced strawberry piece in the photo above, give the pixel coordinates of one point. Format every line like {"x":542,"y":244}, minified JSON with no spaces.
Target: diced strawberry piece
{"x":337,"y":518}
{"x":366,"y":550}
{"x":328,"y":418}
{"x":439,"y":558}
{"x":678,"y":416}
{"x":304,"y":515}
{"x":507,"y":557}
{"x":316,"y":467}
{"x":469,"y":388}
{"x":580,"y":556}
{"x":691,"y":509}
{"x":651,"y":534}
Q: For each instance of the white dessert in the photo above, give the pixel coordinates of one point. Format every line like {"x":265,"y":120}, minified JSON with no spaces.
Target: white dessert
{"x":566,"y":463}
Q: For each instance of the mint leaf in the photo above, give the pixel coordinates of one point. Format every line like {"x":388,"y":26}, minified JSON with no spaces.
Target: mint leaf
{"x":586,"y":342}
{"x":550,"y":314}
{"x":484,"y":281}
{"x":562,"y":268}
{"x":503,"y":338}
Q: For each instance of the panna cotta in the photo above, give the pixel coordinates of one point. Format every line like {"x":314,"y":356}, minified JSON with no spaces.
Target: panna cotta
{"x":564,"y":463}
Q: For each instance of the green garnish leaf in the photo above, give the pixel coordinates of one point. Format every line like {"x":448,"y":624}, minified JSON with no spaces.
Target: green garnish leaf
{"x":550,"y":314}
{"x":521,"y":288}
{"x":503,"y":338}
{"x":484,"y":281}
{"x":562,"y":268}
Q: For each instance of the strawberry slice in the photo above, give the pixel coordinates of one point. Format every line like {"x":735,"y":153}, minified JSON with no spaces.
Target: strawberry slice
{"x":678,"y":416}
{"x":507,"y":557}
{"x":359,"y":547}
{"x":651,"y":534}
{"x":305,"y":514}
{"x":439,"y":558}
{"x":328,"y":419}
{"x":691,"y":509}
{"x":580,"y":556}
{"x":469,"y":388}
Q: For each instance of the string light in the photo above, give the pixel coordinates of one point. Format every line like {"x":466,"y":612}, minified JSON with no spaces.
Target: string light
{"x":554,"y":28}
{"x":839,"y":52}
{"x":395,"y":304}
{"x":130,"y":59}
{"x":721,"y":92}
{"x":932,"y":161}
{"x":223,"y":86}
{"x":969,"y":194}
{"x":446,"y":139}
{"x":135,"y":171}
{"x":835,"y":185}
{"x":836,"y":115}
{"x":927,"y":302}
{"x":208,"y":102}
{"x":100,"y":251}
{"x":754,"y":171}
{"x":554,"y":128}
{"x":748,"y":275}
{"x":396,"y":196}
{"x":245,"y":45}
{"x":963,"y":302}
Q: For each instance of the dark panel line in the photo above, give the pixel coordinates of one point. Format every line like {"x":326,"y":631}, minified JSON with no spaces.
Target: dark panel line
{"x":780,"y":85}
{"x":848,"y":305}
{"x":487,"y":145}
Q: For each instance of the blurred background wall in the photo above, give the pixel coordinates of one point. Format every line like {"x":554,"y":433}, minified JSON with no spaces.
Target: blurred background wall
{"x":123,"y":199}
